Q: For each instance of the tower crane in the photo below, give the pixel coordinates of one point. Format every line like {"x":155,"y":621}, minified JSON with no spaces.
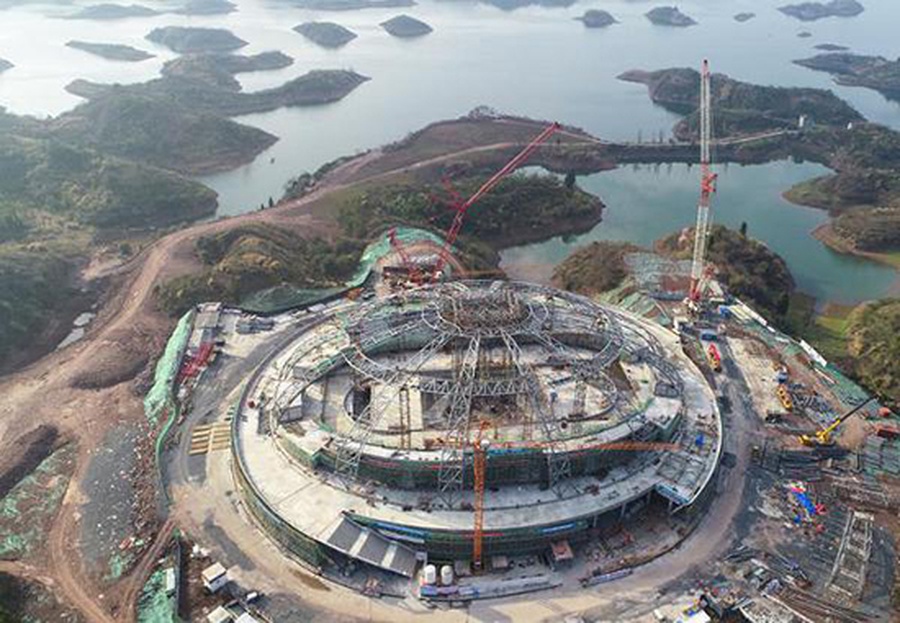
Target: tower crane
{"x":479,"y":465}
{"x":707,"y":188}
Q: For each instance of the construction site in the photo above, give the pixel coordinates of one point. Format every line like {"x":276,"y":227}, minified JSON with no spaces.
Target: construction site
{"x":398,"y":417}
{"x":440,"y":441}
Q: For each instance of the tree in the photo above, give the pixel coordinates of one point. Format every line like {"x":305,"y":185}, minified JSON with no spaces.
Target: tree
{"x":570,"y":180}
{"x":744,"y":229}
{"x":271,"y":202}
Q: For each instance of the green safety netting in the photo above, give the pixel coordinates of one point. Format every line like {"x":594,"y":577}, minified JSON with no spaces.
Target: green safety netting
{"x":160,"y":394}
{"x":154,"y":605}
{"x":283,"y":297}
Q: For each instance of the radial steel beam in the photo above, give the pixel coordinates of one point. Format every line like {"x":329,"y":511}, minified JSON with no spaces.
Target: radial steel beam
{"x":452,"y":468}
{"x":352,"y":445}
{"x":558,"y":465}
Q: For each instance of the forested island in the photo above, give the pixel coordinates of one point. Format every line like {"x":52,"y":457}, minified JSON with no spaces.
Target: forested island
{"x":744,"y":17}
{"x":111,"y":51}
{"x":405,"y":26}
{"x":326,"y":34}
{"x":669,"y":16}
{"x":207,"y":7}
{"x":351,"y":5}
{"x":830,"y":47}
{"x":596,"y":18}
{"x":185,"y":40}
{"x":113,"y":12}
{"x":811,"y":11}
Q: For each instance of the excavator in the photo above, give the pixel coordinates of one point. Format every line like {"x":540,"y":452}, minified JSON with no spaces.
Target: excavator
{"x":823,"y":437}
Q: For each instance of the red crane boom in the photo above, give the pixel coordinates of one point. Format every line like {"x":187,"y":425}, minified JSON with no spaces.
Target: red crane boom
{"x":411,"y":267}
{"x":463,"y":208}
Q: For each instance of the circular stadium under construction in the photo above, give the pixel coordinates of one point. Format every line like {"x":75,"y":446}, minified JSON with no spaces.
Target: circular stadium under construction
{"x":469,"y":419}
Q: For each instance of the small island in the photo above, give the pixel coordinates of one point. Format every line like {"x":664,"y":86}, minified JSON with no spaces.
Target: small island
{"x":351,"y":5}
{"x":873,"y":72}
{"x":669,"y":16}
{"x":207,"y":7}
{"x":811,"y":11}
{"x":804,"y":34}
{"x":5,"y":65}
{"x":831,"y":47}
{"x":595,"y":18}
{"x":406,"y":27}
{"x":326,"y":34}
{"x":113,"y":12}
{"x":185,"y":40}
{"x":111,"y":51}
{"x":744,"y":17}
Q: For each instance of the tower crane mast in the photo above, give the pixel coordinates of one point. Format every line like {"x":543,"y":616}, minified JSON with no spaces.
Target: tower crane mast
{"x":707,"y":188}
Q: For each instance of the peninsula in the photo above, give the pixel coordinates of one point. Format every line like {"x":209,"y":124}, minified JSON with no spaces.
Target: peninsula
{"x":111,"y":51}
{"x":872,"y":72}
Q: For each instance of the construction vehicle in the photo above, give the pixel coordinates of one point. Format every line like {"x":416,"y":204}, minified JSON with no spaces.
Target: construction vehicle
{"x":823,"y":437}
{"x":785,"y":397}
{"x":714,"y":358}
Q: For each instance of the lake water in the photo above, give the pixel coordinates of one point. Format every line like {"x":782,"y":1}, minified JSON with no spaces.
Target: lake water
{"x":645,"y":203}
{"x":533,"y":61}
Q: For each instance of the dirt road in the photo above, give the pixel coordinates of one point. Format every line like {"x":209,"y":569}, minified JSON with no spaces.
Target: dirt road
{"x":43,"y":392}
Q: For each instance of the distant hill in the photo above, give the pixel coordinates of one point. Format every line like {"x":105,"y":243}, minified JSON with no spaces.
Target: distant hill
{"x":250,"y":258}
{"x":113,"y":12}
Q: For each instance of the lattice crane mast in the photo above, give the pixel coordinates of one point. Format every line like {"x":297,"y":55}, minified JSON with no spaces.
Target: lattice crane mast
{"x":412,"y":269}
{"x":707,"y":188}
{"x":462,"y":207}
{"x":479,"y":468}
